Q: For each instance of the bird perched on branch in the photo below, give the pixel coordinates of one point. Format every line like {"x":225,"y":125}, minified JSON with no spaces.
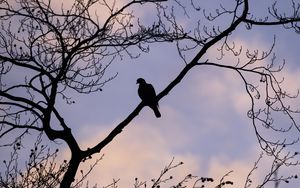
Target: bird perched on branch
{"x":147,"y":94}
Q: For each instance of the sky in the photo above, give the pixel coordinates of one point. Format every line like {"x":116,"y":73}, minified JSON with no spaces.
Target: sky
{"x":204,"y":119}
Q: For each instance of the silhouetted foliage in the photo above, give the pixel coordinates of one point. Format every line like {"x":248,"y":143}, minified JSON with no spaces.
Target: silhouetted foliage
{"x":41,"y":168}
{"x":48,"y":49}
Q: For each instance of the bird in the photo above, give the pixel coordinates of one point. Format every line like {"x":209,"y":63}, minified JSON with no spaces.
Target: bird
{"x":147,"y":93}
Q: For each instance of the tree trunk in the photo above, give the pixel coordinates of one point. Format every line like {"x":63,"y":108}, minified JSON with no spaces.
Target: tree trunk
{"x":69,"y":176}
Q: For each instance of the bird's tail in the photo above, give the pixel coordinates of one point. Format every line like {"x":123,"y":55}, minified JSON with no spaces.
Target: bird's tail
{"x":156,"y":112}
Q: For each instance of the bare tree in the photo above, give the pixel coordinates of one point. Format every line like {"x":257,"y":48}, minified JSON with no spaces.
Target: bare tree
{"x":55,"y":49}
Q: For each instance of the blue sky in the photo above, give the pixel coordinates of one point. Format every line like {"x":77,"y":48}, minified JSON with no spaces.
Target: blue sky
{"x":204,"y":119}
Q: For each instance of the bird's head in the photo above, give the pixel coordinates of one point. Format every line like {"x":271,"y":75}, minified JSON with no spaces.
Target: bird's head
{"x":140,"y":81}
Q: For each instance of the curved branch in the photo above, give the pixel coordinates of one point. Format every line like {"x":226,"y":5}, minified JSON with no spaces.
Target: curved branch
{"x":22,"y":99}
{"x":14,"y":126}
{"x":272,"y":23}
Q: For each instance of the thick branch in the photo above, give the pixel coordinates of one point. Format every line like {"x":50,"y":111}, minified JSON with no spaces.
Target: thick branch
{"x":117,"y":130}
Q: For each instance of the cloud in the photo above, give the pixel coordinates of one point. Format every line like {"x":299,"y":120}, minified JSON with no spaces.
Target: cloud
{"x":227,"y":86}
{"x":223,"y":87}
{"x":148,"y":144}
{"x":140,"y":151}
